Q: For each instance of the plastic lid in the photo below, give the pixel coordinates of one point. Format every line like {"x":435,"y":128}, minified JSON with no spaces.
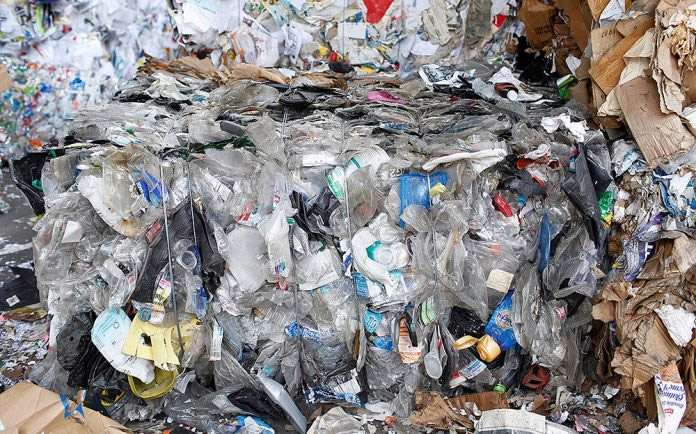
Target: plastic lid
{"x":384,"y":255}
{"x":187,"y":260}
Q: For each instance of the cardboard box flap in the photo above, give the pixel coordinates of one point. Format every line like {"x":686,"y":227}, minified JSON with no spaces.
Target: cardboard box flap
{"x":659,"y":136}
{"x":607,"y":71}
{"x":579,"y":23}
{"x":536,"y":17}
{"x":28,"y":408}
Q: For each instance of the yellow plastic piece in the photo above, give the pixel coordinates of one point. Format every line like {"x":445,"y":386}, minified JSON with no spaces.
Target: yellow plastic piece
{"x":160,"y":386}
{"x":486,"y":346}
{"x":161,"y":350}
{"x":437,"y":189}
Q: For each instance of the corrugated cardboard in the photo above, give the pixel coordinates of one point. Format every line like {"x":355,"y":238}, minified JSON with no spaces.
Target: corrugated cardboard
{"x":659,"y":136}
{"x":578,"y":20}
{"x":607,"y":71}
{"x":629,"y":25}
{"x":27,"y":409}
{"x":484,"y":401}
{"x":602,"y":40}
{"x":536,"y":17}
{"x":647,"y":6}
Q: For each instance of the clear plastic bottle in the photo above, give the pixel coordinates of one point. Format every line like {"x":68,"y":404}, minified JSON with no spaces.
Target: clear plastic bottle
{"x":471,"y":368}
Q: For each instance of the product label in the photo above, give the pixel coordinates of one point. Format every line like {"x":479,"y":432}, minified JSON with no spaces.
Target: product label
{"x":384,"y":342}
{"x":335,"y":180}
{"x":365,"y":287}
{"x":371,"y":320}
{"x":100,"y":282}
{"x":153,"y":231}
{"x":502,"y":319}
{"x":164,"y":288}
{"x":215,"y":350}
{"x":12,"y":300}
{"x":472,"y":369}
{"x":109,"y":334}
{"x":409,"y":354}
{"x":671,"y":398}
{"x":295,"y":329}
{"x":220,"y":189}
{"x":348,"y":387}
{"x":499,"y":280}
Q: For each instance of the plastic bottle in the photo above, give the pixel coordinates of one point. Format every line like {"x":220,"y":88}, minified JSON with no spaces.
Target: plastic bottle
{"x":471,"y":368}
{"x":338,"y":176}
{"x":499,"y":325}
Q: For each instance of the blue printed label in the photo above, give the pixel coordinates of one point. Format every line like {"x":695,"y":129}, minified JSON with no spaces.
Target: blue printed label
{"x":371,"y":321}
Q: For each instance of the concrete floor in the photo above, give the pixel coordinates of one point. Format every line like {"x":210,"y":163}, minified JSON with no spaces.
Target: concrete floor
{"x":15,"y":229}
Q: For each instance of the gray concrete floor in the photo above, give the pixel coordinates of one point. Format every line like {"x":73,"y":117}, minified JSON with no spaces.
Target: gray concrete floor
{"x":15,"y":229}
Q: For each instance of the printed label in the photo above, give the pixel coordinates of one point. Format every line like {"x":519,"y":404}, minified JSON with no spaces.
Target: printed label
{"x":499,"y":280}
{"x":164,"y":288}
{"x":472,"y":369}
{"x":215,"y":350}
{"x":371,"y":320}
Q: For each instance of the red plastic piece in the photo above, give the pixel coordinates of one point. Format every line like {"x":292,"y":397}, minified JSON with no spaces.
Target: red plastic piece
{"x":502,"y":206}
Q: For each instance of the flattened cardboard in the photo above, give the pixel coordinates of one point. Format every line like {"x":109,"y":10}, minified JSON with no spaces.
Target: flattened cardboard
{"x":579,"y":25}
{"x":659,"y":136}
{"x":536,"y":17}
{"x":689,"y":86}
{"x":484,"y":401}
{"x":647,"y":6}
{"x":607,"y":71}
{"x":581,"y":92}
{"x":583,"y":71}
{"x":651,"y":350}
{"x":684,"y":253}
{"x":604,"y":311}
{"x":27,"y":408}
{"x":432,"y":411}
{"x":602,"y":40}
{"x":629,"y":25}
